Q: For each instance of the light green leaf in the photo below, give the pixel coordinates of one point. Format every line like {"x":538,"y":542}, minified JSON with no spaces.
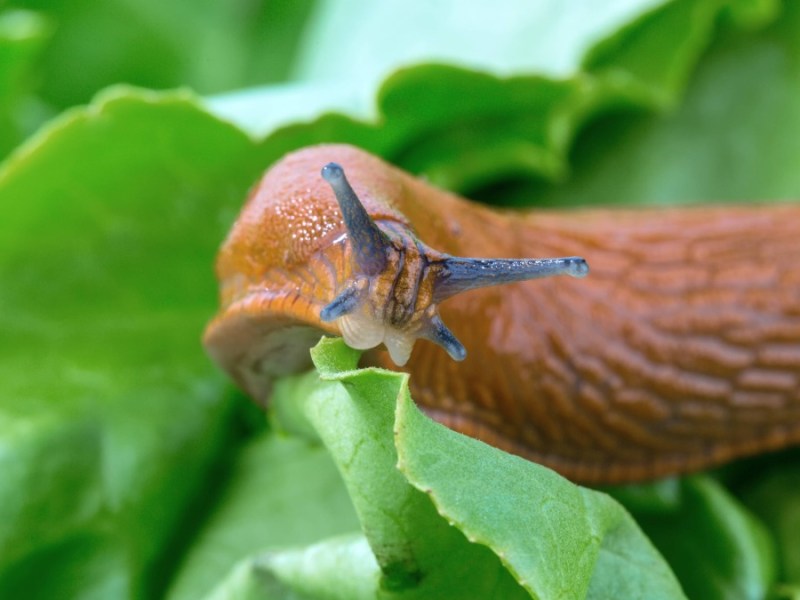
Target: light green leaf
{"x":557,"y":539}
{"x":337,"y":569}
{"x":419,"y":553}
{"x":467,"y":114}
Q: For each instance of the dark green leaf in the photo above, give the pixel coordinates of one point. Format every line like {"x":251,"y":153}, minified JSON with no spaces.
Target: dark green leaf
{"x":736,"y":137}
{"x":22,"y":35}
{"x":211,"y":46}
{"x":271,"y":500}
{"x":716,"y":547}
{"x":775,"y":497}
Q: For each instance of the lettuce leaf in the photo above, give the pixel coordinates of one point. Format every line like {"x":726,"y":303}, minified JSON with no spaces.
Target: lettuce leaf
{"x":455,"y":518}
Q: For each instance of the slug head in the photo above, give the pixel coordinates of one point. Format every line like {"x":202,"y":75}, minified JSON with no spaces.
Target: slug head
{"x":397,"y":281}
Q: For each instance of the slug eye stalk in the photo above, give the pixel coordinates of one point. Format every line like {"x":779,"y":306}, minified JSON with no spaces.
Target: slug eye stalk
{"x":397,"y":281}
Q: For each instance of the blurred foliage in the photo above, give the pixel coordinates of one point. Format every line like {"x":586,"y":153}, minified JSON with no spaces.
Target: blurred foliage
{"x":111,"y":414}
{"x":736,"y":558}
{"x":208,"y":45}
{"x":128,"y":466}
{"x":22,"y":35}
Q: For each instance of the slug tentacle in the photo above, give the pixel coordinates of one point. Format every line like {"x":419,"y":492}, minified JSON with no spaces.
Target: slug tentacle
{"x":462,"y":274}
{"x":398,"y":281}
{"x":438,"y":333}
{"x":368,"y":242}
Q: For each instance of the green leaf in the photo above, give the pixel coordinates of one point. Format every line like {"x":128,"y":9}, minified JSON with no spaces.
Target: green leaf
{"x":208,"y":45}
{"x":557,"y":539}
{"x":716,"y":547}
{"x":508,"y":36}
{"x":507,"y":106}
{"x":22,"y":36}
{"x":419,"y":553}
{"x":661,"y":496}
{"x":270,"y":500}
{"x":734,"y":138}
{"x":337,"y":569}
{"x":774,"y":496}
{"x":110,"y":414}
{"x":493,"y":516}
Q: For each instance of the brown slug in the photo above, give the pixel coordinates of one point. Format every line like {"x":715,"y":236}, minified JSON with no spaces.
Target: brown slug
{"x":680,"y":351}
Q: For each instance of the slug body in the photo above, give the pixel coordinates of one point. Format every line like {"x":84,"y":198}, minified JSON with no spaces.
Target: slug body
{"x":680,"y":351}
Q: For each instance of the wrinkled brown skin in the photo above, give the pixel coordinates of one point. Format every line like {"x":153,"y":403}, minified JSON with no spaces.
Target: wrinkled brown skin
{"x":680,"y":350}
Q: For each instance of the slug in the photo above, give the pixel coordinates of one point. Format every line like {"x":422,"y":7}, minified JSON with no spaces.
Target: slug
{"x":680,"y":351}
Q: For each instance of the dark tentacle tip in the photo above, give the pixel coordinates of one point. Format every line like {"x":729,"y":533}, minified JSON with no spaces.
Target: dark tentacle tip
{"x":456,"y":351}
{"x":579,"y":267}
{"x":332,"y":172}
{"x":346,"y":302}
{"x":440,"y":334}
{"x":330,"y":312}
